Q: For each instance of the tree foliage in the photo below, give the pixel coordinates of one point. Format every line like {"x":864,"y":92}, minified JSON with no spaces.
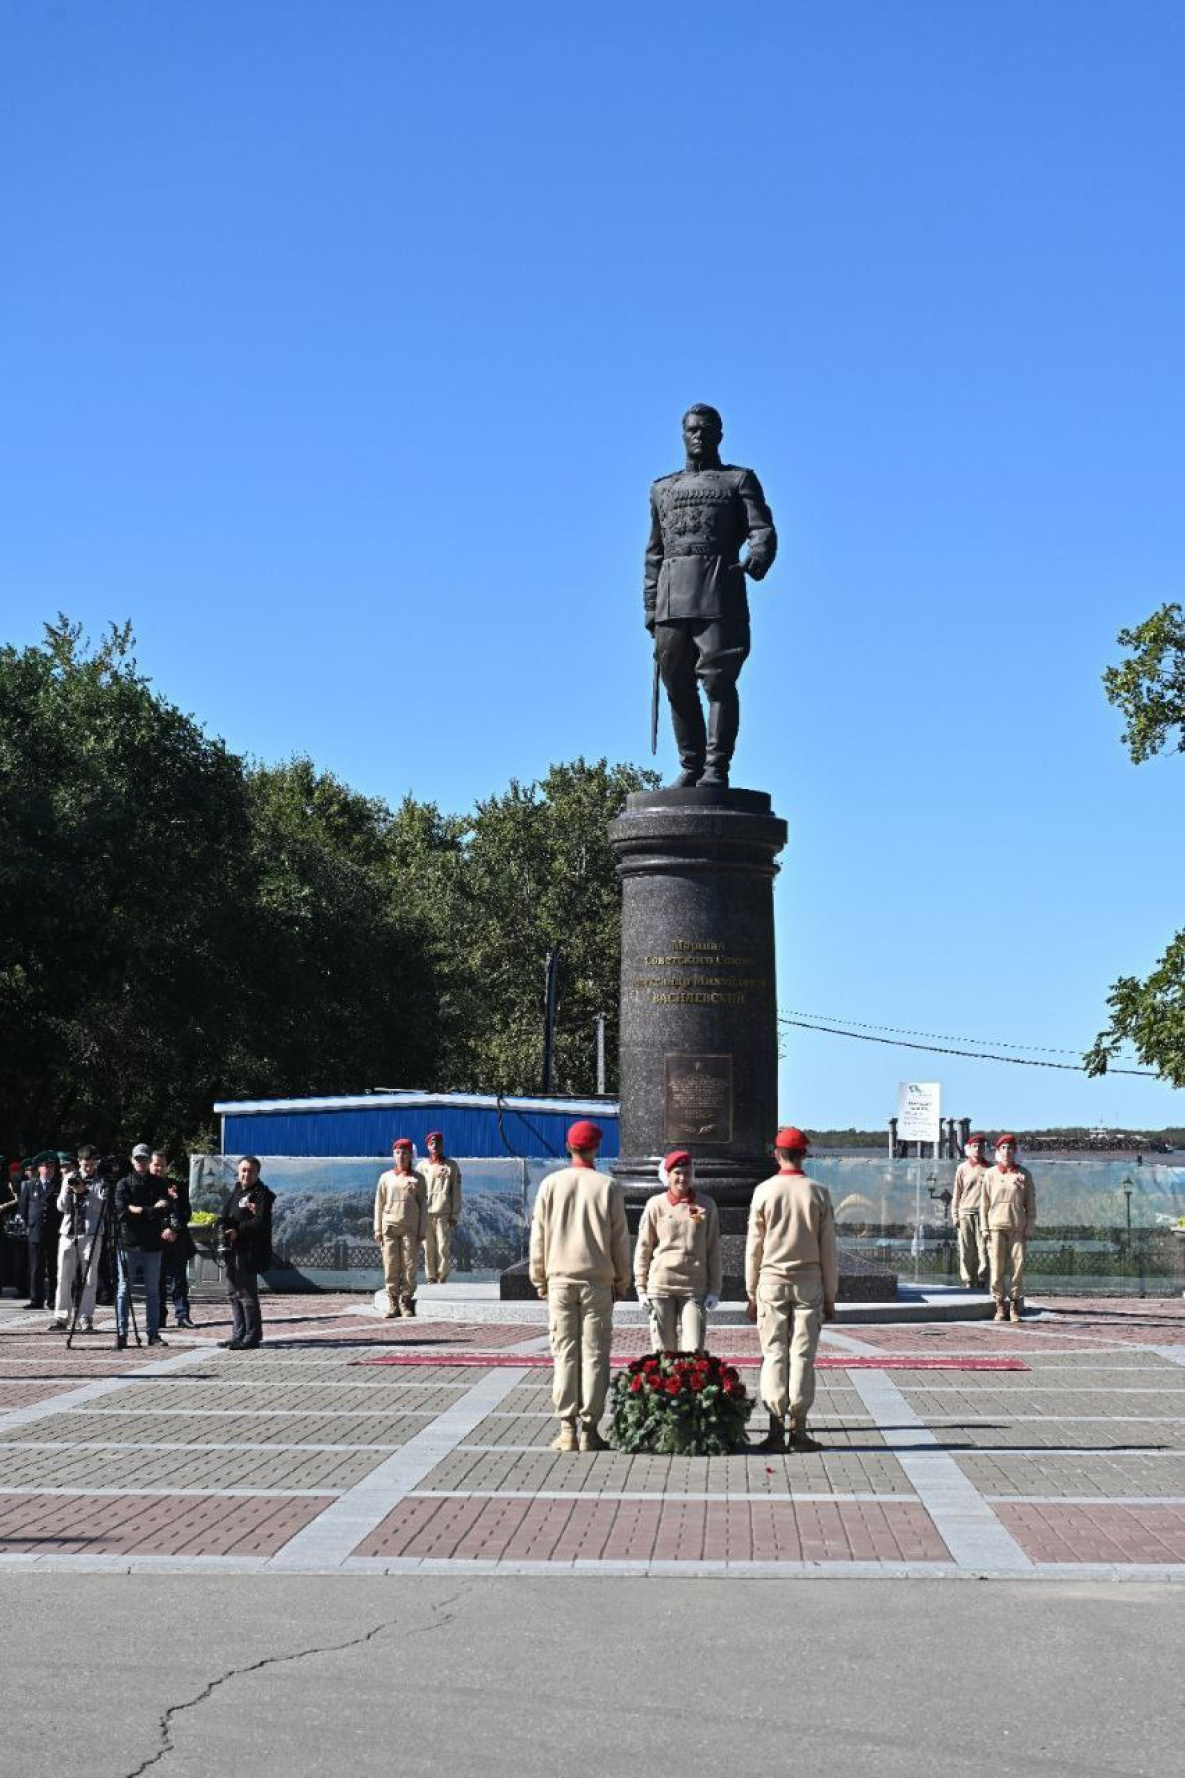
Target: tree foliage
{"x":536,"y":875}
{"x":1150,"y":690}
{"x":1150,"y":687}
{"x":179,"y":926}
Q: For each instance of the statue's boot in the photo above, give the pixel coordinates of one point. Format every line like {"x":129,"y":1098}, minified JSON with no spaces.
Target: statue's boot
{"x":691,"y":738}
{"x":724,"y":721}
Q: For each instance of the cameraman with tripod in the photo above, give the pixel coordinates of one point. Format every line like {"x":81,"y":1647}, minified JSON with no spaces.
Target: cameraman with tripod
{"x":82,"y":1202}
{"x":145,"y":1218}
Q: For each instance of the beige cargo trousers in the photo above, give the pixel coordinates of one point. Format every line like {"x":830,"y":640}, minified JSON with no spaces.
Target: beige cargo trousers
{"x":580,"y":1323}
{"x":789,"y":1322}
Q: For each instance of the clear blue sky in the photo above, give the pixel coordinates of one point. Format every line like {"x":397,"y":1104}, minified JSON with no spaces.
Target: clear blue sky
{"x":340,"y":342}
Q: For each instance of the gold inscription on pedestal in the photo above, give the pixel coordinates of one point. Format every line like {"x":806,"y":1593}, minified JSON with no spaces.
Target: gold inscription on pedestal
{"x":697,"y":1098}
{"x":697,"y":972}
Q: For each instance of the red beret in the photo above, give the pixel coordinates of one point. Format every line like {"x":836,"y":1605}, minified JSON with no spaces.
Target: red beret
{"x":790,"y":1137}
{"x":977,"y":1136}
{"x":678,"y":1157}
{"x":435,"y":1136}
{"x":1001,"y":1140}
{"x":402,"y":1142}
{"x":585,"y":1134}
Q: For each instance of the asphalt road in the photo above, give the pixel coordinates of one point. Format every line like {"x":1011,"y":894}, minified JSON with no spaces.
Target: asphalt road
{"x":184,"y":1676}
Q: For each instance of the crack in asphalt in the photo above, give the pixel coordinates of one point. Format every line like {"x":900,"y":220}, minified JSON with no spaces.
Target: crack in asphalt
{"x":443,"y":1616}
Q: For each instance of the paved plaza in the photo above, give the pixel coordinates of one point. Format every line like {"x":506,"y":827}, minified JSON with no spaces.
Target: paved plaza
{"x":351,"y":1445}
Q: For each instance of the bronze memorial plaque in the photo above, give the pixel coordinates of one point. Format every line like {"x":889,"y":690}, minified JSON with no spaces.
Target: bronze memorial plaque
{"x":698,"y":1098}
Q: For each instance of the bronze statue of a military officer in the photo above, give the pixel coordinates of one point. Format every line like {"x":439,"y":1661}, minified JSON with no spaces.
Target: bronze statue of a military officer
{"x":697,"y":607}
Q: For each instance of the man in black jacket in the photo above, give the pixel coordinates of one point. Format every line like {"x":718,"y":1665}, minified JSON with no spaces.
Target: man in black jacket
{"x":39,"y":1213}
{"x":246,"y":1222}
{"x":145,"y":1224}
{"x":176,"y":1255}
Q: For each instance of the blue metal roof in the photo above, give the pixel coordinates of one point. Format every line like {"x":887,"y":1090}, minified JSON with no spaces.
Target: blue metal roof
{"x":472,"y":1124}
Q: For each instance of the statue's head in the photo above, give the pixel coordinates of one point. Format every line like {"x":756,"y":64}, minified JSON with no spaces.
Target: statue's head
{"x":703,"y":430}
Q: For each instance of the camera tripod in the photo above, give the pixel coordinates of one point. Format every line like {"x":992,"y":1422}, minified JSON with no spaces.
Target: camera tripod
{"x":106,"y":1230}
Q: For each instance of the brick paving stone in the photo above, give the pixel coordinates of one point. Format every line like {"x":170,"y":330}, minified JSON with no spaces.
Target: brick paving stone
{"x":1102,"y":1533}
{"x":17,"y":1393}
{"x":163,"y":1525}
{"x":827,"y":1472}
{"x":193,"y":1468}
{"x":253,"y":1431}
{"x":210,"y":1393}
{"x":670,"y":1530}
{"x":1048,"y":1473}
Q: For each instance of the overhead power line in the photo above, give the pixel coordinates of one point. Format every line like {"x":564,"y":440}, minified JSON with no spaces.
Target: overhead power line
{"x":830,"y":1018}
{"x":936,"y":1049}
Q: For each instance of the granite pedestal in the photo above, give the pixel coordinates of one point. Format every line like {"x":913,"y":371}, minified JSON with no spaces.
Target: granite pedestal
{"x":699,"y":1045}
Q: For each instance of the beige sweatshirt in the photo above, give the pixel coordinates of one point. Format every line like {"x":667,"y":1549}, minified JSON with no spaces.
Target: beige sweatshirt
{"x":1009,"y":1201}
{"x":442,"y":1187}
{"x":578,"y":1231}
{"x":399,"y":1205}
{"x":791,"y":1232}
{"x":678,"y":1251}
{"x":968,"y":1192}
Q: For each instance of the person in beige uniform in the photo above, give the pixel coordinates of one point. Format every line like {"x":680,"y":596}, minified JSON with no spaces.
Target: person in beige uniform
{"x":1010,"y":1216}
{"x":966,"y":1210}
{"x":399,"y":1217}
{"x":442,"y":1198}
{"x":677,"y":1259}
{"x":791,"y":1278}
{"x":580,"y":1261}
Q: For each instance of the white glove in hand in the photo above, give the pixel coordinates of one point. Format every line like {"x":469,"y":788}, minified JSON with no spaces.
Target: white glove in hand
{"x":711,"y":1302}
{"x":643,"y":1301}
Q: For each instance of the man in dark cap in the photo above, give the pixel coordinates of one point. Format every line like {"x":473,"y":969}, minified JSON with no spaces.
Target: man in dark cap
{"x":696,"y":605}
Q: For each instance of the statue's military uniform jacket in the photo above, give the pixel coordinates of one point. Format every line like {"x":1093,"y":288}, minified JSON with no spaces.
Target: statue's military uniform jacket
{"x":699,"y":521}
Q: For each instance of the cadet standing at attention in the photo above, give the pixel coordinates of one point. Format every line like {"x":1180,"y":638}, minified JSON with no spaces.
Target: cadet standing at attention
{"x":580,"y":1261}
{"x":399,"y":1218}
{"x":791,"y":1278}
{"x":966,"y":1207}
{"x":677,"y":1259}
{"x":1010,"y":1216}
{"x":442,"y":1195}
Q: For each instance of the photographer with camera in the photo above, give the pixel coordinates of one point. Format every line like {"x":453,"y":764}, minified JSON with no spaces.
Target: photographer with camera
{"x":145,"y":1219}
{"x":174,"y":1262}
{"x":245,"y":1251}
{"x":81,"y":1204}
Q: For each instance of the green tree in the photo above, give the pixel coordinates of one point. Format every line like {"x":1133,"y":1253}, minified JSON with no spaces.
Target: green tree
{"x":121,"y":828}
{"x":342,"y":992}
{"x":1149,"y":689}
{"x":536,"y":874}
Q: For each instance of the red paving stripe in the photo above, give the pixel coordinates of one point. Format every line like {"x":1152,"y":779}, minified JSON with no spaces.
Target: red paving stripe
{"x":743,"y":1361}
{"x":165,"y":1525}
{"x":1096,"y":1533}
{"x":582,"y":1529}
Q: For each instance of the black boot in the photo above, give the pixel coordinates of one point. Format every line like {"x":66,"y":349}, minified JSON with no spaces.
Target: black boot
{"x":775,"y":1438}
{"x":724,"y":721}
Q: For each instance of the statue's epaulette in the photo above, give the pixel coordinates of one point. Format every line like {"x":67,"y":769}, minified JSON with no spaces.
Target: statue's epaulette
{"x":673,"y":476}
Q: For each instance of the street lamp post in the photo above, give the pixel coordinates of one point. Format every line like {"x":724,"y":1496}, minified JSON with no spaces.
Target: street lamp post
{"x":1127,"y":1195}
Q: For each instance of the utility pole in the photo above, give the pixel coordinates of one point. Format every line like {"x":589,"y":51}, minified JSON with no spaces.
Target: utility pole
{"x":550,"y":974}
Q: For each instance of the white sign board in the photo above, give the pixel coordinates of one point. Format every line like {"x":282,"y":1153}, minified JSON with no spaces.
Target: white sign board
{"x":919,"y":1111}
